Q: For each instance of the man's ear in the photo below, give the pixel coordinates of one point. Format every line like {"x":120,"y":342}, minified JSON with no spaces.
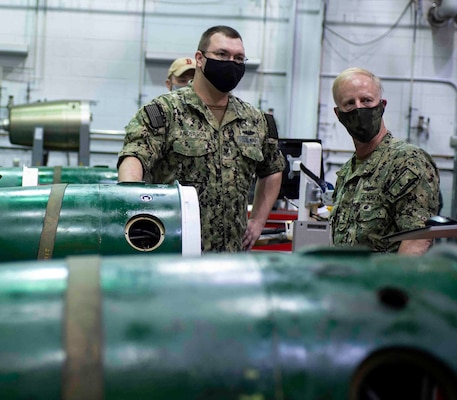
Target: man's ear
{"x":384,"y":102}
{"x":199,"y":58}
{"x":168,"y":84}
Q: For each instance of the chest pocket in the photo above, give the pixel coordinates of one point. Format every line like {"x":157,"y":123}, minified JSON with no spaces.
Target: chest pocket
{"x":192,"y":147}
{"x":192,"y":159}
{"x":370,"y":213}
{"x":250,"y":148}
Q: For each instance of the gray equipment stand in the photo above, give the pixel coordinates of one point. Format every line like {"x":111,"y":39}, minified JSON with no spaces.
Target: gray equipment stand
{"x":37,"y":150}
{"x":84,"y":146}
{"x":306,"y":230}
{"x":307,"y":233}
{"x":453,"y":144}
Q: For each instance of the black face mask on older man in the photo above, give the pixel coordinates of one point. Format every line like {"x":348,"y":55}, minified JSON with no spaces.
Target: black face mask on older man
{"x":224,"y":75}
{"x":363,"y":124}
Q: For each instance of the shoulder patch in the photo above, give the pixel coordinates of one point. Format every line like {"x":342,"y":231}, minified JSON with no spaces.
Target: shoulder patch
{"x":403,"y":183}
{"x":155,"y":115}
{"x":272,"y":128}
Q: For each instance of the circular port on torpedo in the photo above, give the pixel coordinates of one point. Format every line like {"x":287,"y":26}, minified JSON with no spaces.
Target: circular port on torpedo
{"x":401,"y":373}
{"x":144,"y":232}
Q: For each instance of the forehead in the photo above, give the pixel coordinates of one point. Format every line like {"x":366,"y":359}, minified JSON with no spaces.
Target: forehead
{"x":220,"y":41}
{"x":357,"y":83}
{"x":358,"y":86}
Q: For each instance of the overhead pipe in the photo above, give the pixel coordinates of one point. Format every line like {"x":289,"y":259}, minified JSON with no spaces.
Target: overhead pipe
{"x":262,"y":54}
{"x":441,"y":12}
{"x":411,"y":90}
{"x":142,"y":55}
{"x":290,"y":70}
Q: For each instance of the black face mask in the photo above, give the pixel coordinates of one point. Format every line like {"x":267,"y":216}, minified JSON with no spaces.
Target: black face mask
{"x":224,"y":75}
{"x":363,"y":124}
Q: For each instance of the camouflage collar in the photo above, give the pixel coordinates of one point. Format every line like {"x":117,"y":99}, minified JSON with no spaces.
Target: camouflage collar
{"x":371,"y":162}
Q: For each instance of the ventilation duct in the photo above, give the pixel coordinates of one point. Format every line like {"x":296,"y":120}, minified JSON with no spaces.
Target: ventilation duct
{"x":441,"y":12}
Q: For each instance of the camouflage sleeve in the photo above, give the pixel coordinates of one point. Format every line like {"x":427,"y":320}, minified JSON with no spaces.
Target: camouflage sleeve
{"x":413,"y":189}
{"x":142,"y":140}
{"x":274,"y":160}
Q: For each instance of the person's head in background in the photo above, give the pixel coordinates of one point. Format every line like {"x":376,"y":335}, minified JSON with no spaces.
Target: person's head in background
{"x":181,"y":71}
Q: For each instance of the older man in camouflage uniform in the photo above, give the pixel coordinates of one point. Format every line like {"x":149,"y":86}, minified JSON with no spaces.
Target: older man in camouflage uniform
{"x":203,"y":136}
{"x":388,"y":185}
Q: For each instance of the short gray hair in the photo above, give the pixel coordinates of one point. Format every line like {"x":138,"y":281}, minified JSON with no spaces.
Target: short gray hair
{"x":348,"y":73}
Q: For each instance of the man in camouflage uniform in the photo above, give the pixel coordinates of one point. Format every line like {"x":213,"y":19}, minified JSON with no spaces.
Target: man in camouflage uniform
{"x":203,"y":136}
{"x":388,"y":185}
{"x":181,"y":71}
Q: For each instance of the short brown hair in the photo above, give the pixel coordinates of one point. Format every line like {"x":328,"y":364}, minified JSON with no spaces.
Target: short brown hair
{"x":225,"y":30}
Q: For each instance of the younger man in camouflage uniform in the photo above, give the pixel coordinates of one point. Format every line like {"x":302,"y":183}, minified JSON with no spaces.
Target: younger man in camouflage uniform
{"x":388,"y":185}
{"x":181,"y":71}
{"x":203,"y":136}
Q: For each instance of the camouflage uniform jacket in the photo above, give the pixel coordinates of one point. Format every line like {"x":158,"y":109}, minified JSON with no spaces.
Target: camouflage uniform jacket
{"x":219,"y":160}
{"x":395,"y":189}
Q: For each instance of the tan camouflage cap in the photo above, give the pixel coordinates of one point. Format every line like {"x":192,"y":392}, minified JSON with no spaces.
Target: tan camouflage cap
{"x":181,"y":65}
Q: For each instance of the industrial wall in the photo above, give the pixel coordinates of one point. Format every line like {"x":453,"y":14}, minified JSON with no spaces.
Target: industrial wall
{"x":115,"y":55}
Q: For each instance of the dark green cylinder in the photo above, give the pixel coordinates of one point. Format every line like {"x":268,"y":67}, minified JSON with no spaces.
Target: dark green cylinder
{"x":103,"y":219}
{"x":323,"y":324}
{"x":13,"y":176}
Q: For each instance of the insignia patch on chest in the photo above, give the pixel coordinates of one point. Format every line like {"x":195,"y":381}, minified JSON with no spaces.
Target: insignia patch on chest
{"x":248,"y":140}
{"x":193,"y":134}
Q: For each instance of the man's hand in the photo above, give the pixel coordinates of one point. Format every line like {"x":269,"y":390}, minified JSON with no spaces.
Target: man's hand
{"x":253,"y":231}
{"x":266,"y":193}
{"x":415,"y":247}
